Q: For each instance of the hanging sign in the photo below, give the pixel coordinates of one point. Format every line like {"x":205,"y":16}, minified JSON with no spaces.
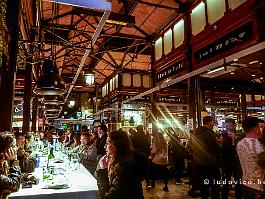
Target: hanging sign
{"x":170,"y":71}
{"x":225,"y":43}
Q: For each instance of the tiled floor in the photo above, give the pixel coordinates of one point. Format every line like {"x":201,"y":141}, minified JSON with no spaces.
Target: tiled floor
{"x":175,"y":191}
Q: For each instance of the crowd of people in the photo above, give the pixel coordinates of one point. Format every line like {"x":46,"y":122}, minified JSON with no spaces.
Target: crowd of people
{"x":121,"y":161}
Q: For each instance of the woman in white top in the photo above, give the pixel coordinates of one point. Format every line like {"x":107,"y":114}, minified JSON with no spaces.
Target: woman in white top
{"x":159,"y":157}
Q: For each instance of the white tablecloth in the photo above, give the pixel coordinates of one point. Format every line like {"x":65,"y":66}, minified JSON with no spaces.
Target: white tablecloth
{"x":83,"y":186}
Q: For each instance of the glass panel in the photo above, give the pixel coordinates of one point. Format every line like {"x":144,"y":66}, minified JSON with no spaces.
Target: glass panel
{"x":137,"y":80}
{"x":235,"y":3}
{"x":126,"y":79}
{"x":107,"y":88}
{"x":146,"y":81}
{"x":116,"y":81}
{"x":168,"y":42}
{"x":179,"y":33}
{"x":111,"y":84}
{"x":104,"y":91}
{"x":215,"y":9}
{"x":198,"y":18}
{"x":158,"y":48}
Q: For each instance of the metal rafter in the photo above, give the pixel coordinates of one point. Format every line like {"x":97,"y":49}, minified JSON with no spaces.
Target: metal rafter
{"x":154,"y":5}
{"x":93,"y":41}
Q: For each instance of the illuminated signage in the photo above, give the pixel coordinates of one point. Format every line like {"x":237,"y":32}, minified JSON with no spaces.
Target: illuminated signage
{"x":170,"y":71}
{"x":227,"y":42}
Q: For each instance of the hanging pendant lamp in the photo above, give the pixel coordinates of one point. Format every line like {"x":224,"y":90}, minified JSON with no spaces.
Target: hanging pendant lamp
{"x":54,"y":108}
{"x":49,"y":83}
{"x":53,"y":99}
{"x":47,"y":112}
{"x":52,"y":115}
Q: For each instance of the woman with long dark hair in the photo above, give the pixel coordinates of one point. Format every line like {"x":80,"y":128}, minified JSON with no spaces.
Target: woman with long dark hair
{"x":9,"y":166}
{"x":126,"y":168}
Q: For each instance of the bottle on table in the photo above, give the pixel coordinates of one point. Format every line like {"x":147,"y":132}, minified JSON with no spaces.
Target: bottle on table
{"x":51,"y":155}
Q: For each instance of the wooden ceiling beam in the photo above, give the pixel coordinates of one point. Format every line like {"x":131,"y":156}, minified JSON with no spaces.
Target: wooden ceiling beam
{"x":155,"y":5}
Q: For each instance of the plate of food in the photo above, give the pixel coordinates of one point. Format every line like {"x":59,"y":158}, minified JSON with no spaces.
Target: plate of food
{"x":57,"y":183}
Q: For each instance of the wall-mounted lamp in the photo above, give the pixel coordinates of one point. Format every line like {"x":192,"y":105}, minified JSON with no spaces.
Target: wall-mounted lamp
{"x":89,"y":79}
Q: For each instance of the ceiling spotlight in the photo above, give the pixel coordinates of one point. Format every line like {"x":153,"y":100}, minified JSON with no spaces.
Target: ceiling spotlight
{"x":253,"y":75}
{"x":232,"y":73}
{"x":235,"y":59}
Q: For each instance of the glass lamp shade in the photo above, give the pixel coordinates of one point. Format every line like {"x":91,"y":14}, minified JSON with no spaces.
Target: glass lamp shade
{"x":53,"y":99}
{"x":49,"y":83}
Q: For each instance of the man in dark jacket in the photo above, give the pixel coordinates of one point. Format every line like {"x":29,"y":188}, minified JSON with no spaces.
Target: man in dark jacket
{"x":141,"y":142}
{"x":101,"y":142}
{"x":177,"y":153}
{"x":230,"y":160}
{"x":206,"y":155}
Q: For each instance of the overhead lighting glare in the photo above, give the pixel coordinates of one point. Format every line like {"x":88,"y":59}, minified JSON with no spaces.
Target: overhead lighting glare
{"x":253,"y":75}
{"x":235,"y":59}
{"x":254,"y":62}
{"x":216,"y":70}
{"x":119,"y":23}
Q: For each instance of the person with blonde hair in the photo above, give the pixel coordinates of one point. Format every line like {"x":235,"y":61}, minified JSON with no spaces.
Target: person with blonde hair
{"x":159,"y":158}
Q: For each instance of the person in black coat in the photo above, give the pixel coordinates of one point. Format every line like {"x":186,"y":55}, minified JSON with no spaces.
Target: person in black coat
{"x":101,"y":141}
{"x":125,"y":168}
{"x":177,"y":154}
{"x":230,"y":160}
{"x":206,"y":158}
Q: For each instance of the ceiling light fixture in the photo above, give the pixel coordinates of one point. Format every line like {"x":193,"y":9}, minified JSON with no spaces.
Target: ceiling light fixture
{"x":90,"y":79}
{"x":71,"y":103}
{"x":49,"y":83}
{"x":53,"y":99}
